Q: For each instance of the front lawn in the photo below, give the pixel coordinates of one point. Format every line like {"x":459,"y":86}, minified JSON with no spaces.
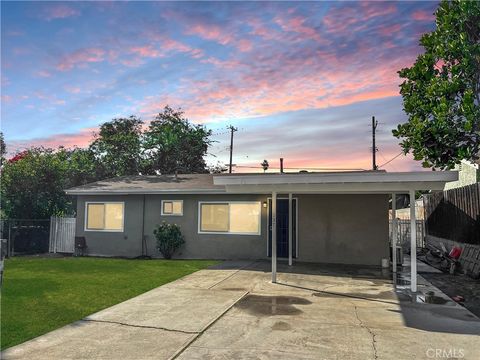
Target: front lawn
{"x":42,"y":294}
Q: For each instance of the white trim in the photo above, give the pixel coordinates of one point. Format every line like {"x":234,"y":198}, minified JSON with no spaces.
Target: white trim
{"x":228,"y":202}
{"x":339,"y":178}
{"x":335,"y":188}
{"x":103,"y":202}
{"x":413,"y":244}
{"x":282,"y":197}
{"x":172,"y":214}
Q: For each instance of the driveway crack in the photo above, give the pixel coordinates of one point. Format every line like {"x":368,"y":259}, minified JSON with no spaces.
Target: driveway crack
{"x":370,"y":331}
{"x":142,"y":326}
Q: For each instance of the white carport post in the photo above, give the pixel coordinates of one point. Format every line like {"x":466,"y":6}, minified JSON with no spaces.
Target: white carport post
{"x":290,"y":228}
{"x":274,"y":237}
{"x":413,"y":244}
{"x":394,"y":232}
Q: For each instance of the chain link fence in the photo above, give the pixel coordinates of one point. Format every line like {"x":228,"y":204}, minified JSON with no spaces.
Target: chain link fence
{"x":25,"y":236}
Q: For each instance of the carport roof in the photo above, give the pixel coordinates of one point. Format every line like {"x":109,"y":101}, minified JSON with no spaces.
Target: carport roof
{"x":334,"y":182}
{"x":340,"y":182}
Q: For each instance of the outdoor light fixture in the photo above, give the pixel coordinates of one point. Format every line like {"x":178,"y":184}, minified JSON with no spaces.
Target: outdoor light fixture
{"x":265,"y":204}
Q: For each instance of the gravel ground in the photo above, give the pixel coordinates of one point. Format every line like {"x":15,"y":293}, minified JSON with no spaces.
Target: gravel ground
{"x":454,"y":285}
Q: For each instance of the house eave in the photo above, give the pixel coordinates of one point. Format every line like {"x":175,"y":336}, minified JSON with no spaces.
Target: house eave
{"x":143,"y":192}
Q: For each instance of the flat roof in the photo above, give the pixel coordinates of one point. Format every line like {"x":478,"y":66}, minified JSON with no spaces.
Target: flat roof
{"x":328,"y":182}
{"x":340,"y":182}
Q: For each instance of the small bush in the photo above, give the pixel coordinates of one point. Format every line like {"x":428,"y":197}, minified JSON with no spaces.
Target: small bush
{"x":169,"y":238}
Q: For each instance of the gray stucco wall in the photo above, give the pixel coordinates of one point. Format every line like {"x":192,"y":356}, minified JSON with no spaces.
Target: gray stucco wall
{"x":349,"y":229}
{"x":344,"y":229}
{"x":126,"y":243}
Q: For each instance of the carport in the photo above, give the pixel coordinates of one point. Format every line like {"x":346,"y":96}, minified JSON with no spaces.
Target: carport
{"x":340,"y":183}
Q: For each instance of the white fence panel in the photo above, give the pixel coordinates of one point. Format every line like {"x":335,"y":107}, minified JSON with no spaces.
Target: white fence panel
{"x":62,"y":235}
{"x":403,"y":233}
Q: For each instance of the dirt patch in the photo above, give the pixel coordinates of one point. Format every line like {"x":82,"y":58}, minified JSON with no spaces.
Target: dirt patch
{"x":454,"y":285}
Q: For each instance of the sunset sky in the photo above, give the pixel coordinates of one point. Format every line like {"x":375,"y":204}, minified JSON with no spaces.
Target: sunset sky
{"x":299,"y":80}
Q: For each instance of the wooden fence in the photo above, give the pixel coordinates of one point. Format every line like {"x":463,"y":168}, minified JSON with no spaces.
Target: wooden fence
{"x":454,"y":214}
{"x":403,"y":233}
{"x":62,"y":235}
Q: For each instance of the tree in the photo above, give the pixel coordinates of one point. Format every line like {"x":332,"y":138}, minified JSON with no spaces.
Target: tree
{"x":3,"y":149}
{"x":174,"y":145}
{"x":441,"y":91}
{"x":218,"y":168}
{"x":118,"y":146}
{"x":32,"y":185}
{"x":265,"y":165}
{"x":33,"y":182}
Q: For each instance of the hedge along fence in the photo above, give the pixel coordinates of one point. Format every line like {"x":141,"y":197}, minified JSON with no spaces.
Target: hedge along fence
{"x":454,"y":214}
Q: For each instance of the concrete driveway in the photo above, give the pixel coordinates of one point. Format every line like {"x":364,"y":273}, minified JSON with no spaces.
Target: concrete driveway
{"x":232,"y":311}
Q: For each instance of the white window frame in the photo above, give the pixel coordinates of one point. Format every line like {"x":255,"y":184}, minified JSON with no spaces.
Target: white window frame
{"x":228,"y":202}
{"x":104,"y":202}
{"x":164,"y":214}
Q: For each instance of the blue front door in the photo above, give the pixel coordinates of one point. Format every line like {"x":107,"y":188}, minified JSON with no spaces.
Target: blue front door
{"x":282,"y":228}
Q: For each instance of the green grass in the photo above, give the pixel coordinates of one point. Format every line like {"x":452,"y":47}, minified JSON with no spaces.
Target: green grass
{"x":42,"y":294}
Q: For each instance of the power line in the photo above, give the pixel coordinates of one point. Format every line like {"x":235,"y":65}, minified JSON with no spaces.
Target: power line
{"x":374,"y":148}
{"x":389,"y":161}
{"x":232,"y":130}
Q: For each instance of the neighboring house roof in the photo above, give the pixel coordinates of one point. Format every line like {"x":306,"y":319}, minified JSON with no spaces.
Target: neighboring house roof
{"x":341,"y":182}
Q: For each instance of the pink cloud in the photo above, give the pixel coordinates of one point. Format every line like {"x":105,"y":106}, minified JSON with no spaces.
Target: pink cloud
{"x":80,"y":139}
{"x":390,"y":30}
{"x":6,"y":98}
{"x":353,"y":18}
{"x":80,"y":58}
{"x":59,"y":11}
{"x":297,"y":24}
{"x":245,"y":45}
{"x":72,"y":89}
{"x":43,"y":73}
{"x":145,"y":51}
{"x":210,"y":32}
{"x":422,"y":15}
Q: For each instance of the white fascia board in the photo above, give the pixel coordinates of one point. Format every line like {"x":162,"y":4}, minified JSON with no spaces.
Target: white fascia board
{"x":344,"y":188}
{"x":366,"y":177}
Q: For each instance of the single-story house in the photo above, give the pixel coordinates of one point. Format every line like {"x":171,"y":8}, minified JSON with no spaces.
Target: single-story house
{"x":338,"y":217}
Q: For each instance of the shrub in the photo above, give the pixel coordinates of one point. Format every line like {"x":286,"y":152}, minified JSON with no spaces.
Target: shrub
{"x":169,"y":238}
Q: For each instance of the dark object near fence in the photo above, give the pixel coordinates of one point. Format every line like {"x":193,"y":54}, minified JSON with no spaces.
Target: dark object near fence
{"x":454,"y":214}
{"x":25,"y":236}
{"x":80,"y":246}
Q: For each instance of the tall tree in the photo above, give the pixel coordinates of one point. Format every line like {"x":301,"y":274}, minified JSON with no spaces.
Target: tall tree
{"x":3,"y":149}
{"x":33,"y":182}
{"x":173,"y":144}
{"x":441,"y":91}
{"x":118,"y":146}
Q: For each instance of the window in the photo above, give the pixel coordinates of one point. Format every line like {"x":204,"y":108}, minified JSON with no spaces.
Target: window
{"x":172,"y":207}
{"x":104,"y":216}
{"x":230,"y":217}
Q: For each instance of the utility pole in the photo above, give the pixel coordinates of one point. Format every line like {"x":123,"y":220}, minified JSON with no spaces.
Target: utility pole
{"x":232,"y":130}
{"x":374,"y":147}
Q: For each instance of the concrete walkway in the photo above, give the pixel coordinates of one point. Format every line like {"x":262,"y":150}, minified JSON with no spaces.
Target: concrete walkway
{"x":232,"y":311}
